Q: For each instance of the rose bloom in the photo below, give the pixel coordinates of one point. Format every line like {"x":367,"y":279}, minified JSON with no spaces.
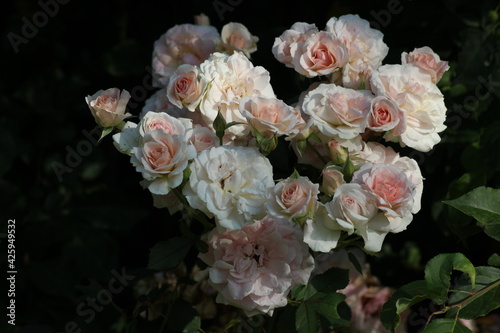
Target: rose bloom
{"x":202,"y":138}
{"x":158,"y":102}
{"x":236,"y":37}
{"x":271,"y":116}
{"x":168,"y":124}
{"x":365,"y":45}
{"x":254,"y":268}
{"x":184,"y":89}
{"x":427,"y":61}
{"x":355,"y":209}
{"x":108,"y":106}
{"x":293,"y":198}
{"x":393,"y":190}
{"x":332,"y":179}
{"x":162,"y":160}
{"x":182,"y":44}
{"x":420,"y":100}
{"x":385,"y":116}
{"x":338,"y":112}
{"x":231,"y":78}
{"x":374,"y":152}
{"x":230,"y":184}
{"x":320,"y":54}
{"x":298,"y":33}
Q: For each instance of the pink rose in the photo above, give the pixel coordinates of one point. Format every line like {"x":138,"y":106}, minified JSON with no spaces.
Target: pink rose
{"x":236,"y":37}
{"x":293,"y":198}
{"x":108,"y":106}
{"x":374,"y":152}
{"x":271,"y":116}
{"x":427,"y":61}
{"x":202,"y":138}
{"x":162,"y":160}
{"x":298,"y":33}
{"x":255,"y":267}
{"x":320,"y":54}
{"x":390,"y":185}
{"x":165,"y":122}
{"x":159,"y":102}
{"x":385,"y":116}
{"x":184,"y":89}
{"x":182,"y":44}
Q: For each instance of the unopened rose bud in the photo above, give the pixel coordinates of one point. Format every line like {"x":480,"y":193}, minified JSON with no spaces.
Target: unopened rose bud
{"x":201,"y":19}
{"x":337,"y":153}
{"x":332,"y":179}
{"x":108,"y":106}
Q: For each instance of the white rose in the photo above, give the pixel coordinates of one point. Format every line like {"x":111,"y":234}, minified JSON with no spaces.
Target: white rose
{"x":420,"y":100}
{"x":230,"y":183}
{"x":297,"y":33}
{"x":355,"y":209}
{"x":365,"y":45}
{"x":271,"y":116}
{"x":231,"y":78}
{"x":236,"y":37}
{"x":339,"y":113}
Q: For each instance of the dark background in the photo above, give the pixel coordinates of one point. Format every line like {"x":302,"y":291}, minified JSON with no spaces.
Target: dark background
{"x":96,"y":218}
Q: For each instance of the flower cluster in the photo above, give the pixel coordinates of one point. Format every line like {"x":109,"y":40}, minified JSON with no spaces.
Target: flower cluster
{"x":202,"y":141}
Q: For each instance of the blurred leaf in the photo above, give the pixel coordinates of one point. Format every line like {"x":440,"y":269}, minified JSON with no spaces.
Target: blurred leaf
{"x":437,"y":274}
{"x":402,"y":299}
{"x":184,"y":318}
{"x":328,"y":282}
{"x":482,"y":203}
{"x":474,"y":52}
{"x":169,"y":254}
{"x":445,"y":325}
{"x":494,"y":260}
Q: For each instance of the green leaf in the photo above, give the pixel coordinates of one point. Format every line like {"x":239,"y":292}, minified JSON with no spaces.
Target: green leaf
{"x":438,"y":270}
{"x":446,"y":325}
{"x":483,"y":204}
{"x":168,"y":254}
{"x":328,"y":282}
{"x":402,"y":299}
{"x":105,"y":131}
{"x":306,"y":318}
{"x":295,"y":174}
{"x":481,"y":300}
{"x":494,"y":260}
{"x":326,"y":305}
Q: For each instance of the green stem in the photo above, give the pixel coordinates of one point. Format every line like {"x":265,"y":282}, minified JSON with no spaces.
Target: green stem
{"x":316,"y":152}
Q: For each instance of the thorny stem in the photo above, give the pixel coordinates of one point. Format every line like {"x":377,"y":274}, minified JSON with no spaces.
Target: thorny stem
{"x":459,"y":305}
